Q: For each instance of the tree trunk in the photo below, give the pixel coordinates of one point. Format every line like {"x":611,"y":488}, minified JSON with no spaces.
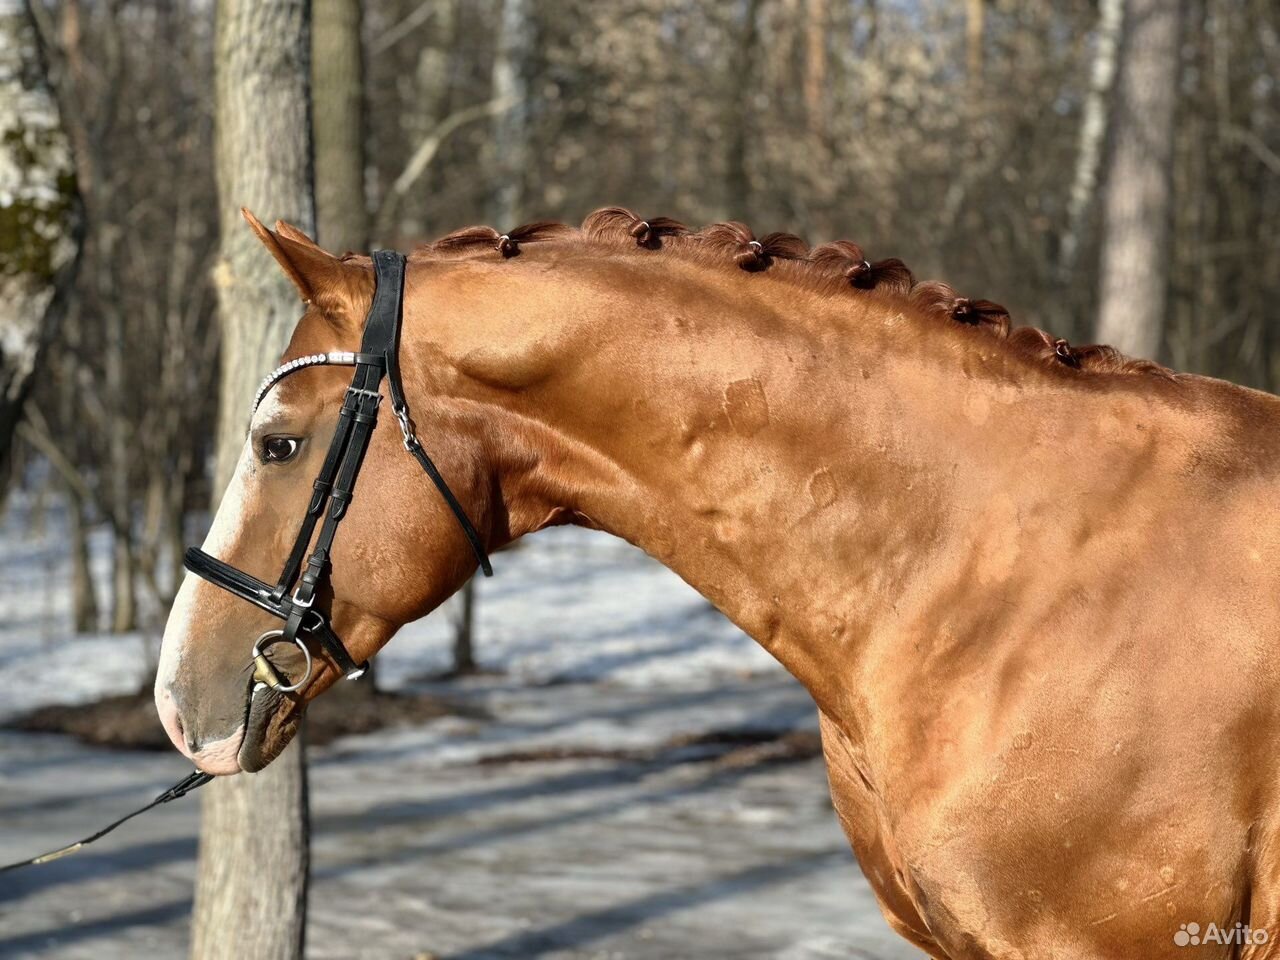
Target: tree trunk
{"x":337,"y":96}
{"x":124,"y":595}
{"x":1137,"y":202}
{"x":251,"y":888}
{"x":815,"y":66}
{"x":464,"y":654}
{"x":337,"y":74}
{"x":509,"y":88}
{"x":1093,"y":128}
{"x":84,"y":597}
{"x":263,"y":163}
{"x":39,"y":212}
{"x":974,"y":33}
{"x":739,"y":114}
{"x":511,"y":125}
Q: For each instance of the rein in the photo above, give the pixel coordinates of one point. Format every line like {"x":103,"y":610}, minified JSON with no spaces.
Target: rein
{"x":292,"y":598}
{"x":180,"y":789}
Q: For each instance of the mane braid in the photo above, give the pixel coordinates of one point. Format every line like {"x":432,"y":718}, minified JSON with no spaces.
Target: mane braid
{"x":481,"y":238}
{"x":838,"y":266}
{"x":749,"y":253}
{"x":618,"y":222}
{"x":845,"y":258}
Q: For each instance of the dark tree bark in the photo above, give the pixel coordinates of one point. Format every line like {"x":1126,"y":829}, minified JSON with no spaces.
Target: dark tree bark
{"x":464,"y":625}
{"x":815,"y":65}
{"x":251,"y":890}
{"x":84,"y":598}
{"x":511,"y":125}
{"x":1137,"y":204}
{"x":739,"y":115}
{"x":39,"y":213}
{"x":337,"y":73}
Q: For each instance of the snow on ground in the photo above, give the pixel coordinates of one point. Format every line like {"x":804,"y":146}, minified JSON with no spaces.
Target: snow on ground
{"x":421,"y":854}
{"x":41,"y":658}
{"x":567,"y":604}
{"x":421,"y":850}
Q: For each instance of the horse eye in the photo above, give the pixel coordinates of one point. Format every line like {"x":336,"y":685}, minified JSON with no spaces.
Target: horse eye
{"x":279,"y":449}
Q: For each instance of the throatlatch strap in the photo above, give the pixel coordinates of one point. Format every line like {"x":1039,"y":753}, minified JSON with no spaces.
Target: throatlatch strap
{"x":389,"y":273}
{"x":473,"y":538}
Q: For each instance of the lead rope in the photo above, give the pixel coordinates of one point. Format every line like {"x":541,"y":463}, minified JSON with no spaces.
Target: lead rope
{"x":180,"y":789}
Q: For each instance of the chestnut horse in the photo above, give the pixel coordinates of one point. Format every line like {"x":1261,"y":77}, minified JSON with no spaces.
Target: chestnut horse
{"x":1031,"y":588}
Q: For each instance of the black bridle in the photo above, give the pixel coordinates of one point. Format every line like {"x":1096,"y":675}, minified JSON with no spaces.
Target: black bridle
{"x":292,"y":598}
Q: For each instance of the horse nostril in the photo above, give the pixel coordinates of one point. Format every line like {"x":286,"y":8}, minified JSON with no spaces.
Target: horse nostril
{"x":180,"y":731}
{"x":171,"y":719}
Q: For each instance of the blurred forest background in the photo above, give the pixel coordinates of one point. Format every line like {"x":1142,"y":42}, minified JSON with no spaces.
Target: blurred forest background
{"x":1108,"y":169}
{"x":975,"y":139}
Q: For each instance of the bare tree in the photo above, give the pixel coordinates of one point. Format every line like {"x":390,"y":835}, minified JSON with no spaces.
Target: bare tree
{"x":1137,"y":204}
{"x":740,"y":114}
{"x":975,"y":37}
{"x":251,"y":890}
{"x":511,"y":125}
{"x":39,"y":211}
{"x":129,"y":383}
{"x":817,"y":28}
{"x":337,"y":73}
{"x":1093,"y":128}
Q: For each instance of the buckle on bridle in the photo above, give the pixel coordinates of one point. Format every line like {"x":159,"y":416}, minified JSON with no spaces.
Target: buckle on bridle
{"x":408,"y":430}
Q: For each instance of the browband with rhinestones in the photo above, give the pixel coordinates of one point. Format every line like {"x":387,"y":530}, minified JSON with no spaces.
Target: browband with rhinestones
{"x":343,"y":358}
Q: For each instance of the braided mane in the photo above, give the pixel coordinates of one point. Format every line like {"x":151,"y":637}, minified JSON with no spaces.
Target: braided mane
{"x":830,"y":268}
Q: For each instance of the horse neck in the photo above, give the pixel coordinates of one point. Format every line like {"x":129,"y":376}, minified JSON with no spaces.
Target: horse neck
{"x":801,"y":460}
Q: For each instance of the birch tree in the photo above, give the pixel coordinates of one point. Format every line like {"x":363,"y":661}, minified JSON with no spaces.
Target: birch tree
{"x":1137,"y":203}
{"x":1093,"y":128}
{"x":251,"y":888}
{"x":511,"y":125}
{"x":39,"y":211}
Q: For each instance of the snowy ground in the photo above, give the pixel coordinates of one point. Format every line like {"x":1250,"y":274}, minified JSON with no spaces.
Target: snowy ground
{"x":565,"y":605}
{"x":424,"y":847}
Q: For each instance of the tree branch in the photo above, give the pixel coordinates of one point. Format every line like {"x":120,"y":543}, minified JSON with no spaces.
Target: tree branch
{"x":430,"y":146}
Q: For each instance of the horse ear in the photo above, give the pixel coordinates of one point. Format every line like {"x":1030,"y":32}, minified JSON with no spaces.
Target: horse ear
{"x":272,"y":242}
{"x":335,"y":286}
{"x":293,"y":233}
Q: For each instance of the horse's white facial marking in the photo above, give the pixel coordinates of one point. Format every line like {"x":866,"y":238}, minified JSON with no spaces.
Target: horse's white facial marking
{"x":269,"y":411}
{"x":206,"y":724}
{"x":186,"y":616}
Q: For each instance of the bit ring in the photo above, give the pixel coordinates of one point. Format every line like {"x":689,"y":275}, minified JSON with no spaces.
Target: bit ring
{"x":265,"y":671}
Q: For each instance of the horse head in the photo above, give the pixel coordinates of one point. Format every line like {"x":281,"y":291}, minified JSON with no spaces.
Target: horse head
{"x":398,"y":553}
